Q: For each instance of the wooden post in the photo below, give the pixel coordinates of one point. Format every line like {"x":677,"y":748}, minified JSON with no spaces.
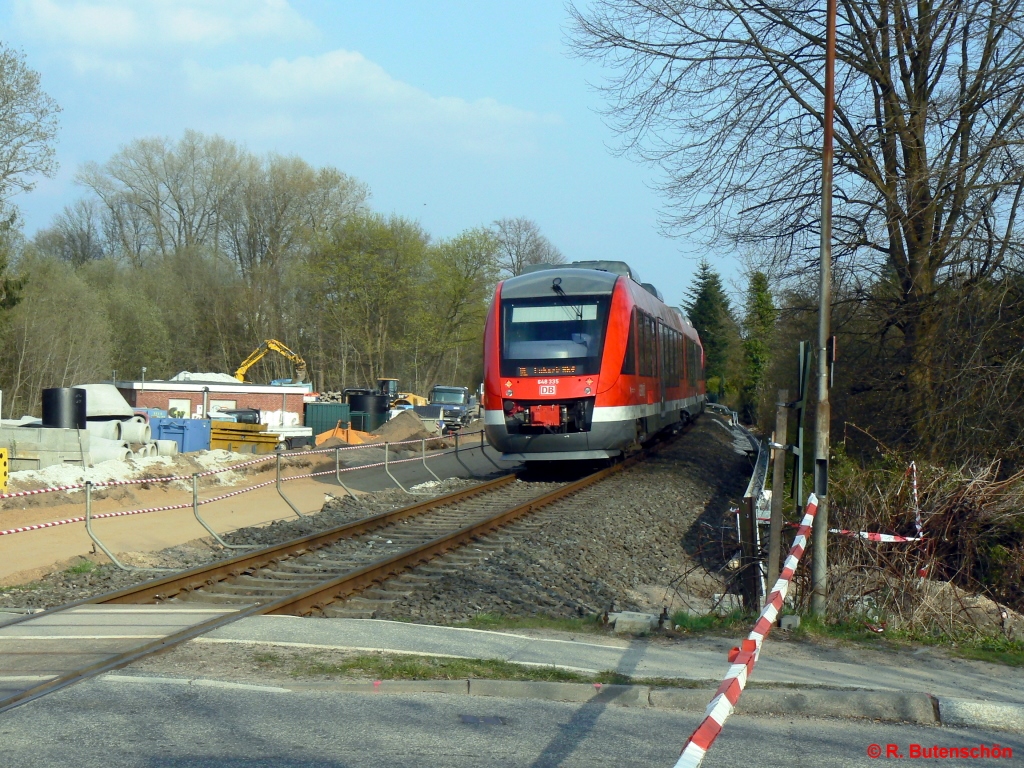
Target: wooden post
{"x":778,"y":488}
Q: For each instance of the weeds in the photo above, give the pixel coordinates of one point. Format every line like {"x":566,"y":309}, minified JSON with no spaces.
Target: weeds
{"x":395,"y":667}
{"x":711,"y":623}
{"x":997,"y":650}
{"x":86,"y":566}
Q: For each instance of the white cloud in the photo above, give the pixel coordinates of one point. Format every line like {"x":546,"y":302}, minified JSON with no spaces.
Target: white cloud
{"x":346,"y":89}
{"x":122,"y":24}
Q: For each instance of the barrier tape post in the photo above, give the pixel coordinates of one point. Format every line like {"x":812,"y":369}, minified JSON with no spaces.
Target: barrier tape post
{"x":423,"y":455}
{"x":459,"y":458}
{"x":337,"y":473}
{"x":195,"y":511}
{"x":745,"y":657}
{"x":281,"y":491}
{"x":100,"y":544}
{"x":394,"y":479}
{"x":484,"y":452}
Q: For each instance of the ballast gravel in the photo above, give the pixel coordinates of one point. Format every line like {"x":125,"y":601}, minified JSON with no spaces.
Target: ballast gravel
{"x":626,"y":543}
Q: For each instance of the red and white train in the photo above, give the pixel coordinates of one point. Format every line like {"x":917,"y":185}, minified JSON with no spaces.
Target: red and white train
{"x":581,"y":361}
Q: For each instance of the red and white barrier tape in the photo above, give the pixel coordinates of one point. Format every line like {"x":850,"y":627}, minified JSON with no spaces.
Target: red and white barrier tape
{"x":869,"y":536}
{"x":240,"y":491}
{"x":744,"y":658}
{"x":209,"y":472}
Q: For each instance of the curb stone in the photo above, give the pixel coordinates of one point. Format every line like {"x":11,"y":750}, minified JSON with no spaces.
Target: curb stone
{"x":885,"y":706}
{"x":981,"y":714}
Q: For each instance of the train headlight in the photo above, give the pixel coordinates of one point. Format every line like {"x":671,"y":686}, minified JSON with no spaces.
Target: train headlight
{"x":508,"y":392}
{"x":586,"y":390}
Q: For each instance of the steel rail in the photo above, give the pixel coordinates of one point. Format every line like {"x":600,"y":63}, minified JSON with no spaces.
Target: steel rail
{"x":315,"y":598}
{"x":211,"y":573}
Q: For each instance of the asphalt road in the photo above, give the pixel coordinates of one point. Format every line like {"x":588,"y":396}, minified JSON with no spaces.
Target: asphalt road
{"x":173,"y":724}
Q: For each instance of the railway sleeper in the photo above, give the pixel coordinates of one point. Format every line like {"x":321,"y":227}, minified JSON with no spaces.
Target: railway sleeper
{"x":263,"y":588}
{"x":270,"y":583}
{"x":218,"y":598}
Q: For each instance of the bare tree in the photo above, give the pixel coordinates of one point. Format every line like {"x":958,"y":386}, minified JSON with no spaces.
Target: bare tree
{"x":725,"y":97}
{"x":76,"y":235}
{"x":521,"y":244}
{"x":28,"y":126}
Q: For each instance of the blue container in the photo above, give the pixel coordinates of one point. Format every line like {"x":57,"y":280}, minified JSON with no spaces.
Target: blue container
{"x":190,"y":434}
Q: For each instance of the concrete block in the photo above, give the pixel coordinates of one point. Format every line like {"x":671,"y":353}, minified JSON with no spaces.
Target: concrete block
{"x":631,"y":623}
{"x":789,"y":622}
{"x":37,"y":448}
{"x":981,"y":714}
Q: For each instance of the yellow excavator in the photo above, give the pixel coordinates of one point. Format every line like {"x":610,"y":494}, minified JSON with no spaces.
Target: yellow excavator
{"x":272,"y":345}
{"x":389,"y":387}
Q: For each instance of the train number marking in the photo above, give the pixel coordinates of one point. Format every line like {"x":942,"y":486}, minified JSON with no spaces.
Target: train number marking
{"x":548,"y":389}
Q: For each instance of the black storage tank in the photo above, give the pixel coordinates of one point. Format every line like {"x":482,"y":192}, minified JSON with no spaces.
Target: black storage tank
{"x":64,"y":407}
{"x":374,"y":406}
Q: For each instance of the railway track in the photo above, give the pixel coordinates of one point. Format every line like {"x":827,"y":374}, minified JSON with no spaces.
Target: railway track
{"x":44,"y":652}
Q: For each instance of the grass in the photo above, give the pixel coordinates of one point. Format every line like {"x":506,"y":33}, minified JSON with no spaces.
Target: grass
{"x":712,"y":624}
{"x":86,"y":566}
{"x":997,"y":650}
{"x":377,"y":666}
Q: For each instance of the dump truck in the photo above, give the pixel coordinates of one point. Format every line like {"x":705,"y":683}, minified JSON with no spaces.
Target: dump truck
{"x":452,"y":405}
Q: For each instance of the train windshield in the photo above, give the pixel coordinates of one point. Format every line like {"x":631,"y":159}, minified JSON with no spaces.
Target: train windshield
{"x":551,"y":336}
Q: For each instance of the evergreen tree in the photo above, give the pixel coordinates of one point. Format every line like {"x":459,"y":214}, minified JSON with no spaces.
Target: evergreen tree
{"x":758,"y":330}
{"x":708,"y":310}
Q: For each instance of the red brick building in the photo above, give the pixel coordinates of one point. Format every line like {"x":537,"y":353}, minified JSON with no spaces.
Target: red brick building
{"x":185,"y":399}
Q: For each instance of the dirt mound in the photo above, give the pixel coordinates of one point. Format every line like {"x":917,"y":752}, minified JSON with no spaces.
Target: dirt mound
{"x":405,"y":426}
{"x":333,"y":442}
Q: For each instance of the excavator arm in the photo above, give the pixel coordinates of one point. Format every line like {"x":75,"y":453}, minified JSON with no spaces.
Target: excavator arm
{"x":272,"y":345}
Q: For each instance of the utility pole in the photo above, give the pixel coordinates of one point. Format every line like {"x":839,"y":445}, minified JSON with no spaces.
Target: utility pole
{"x":819,"y":572}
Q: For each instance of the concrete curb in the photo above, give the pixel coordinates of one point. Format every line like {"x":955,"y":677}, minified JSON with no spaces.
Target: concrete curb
{"x":886,"y":706}
{"x":981,"y":714}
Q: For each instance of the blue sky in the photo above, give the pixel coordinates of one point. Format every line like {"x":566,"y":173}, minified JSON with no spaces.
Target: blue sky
{"x":454,"y":113}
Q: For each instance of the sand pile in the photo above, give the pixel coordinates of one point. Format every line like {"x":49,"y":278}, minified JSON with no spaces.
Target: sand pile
{"x":405,"y":426}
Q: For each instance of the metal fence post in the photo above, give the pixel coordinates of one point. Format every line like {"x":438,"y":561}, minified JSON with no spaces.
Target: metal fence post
{"x":281,"y":491}
{"x":98,"y":543}
{"x":458,"y":458}
{"x":337,"y":473}
{"x":395,"y":479}
{"x":195,"y":511}
{"x":423,"y":455}
{"x":484,"y":452}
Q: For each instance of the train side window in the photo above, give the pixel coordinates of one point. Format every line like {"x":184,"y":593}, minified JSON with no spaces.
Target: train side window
{"x":650,"y":346}
{"x":629,"y":361}
{"x":642,"y":345}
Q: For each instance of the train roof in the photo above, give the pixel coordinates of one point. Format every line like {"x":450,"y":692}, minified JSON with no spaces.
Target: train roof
{"x":573,"y":282}
{"x":615,"y":267}
{"x":619,"y":268}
